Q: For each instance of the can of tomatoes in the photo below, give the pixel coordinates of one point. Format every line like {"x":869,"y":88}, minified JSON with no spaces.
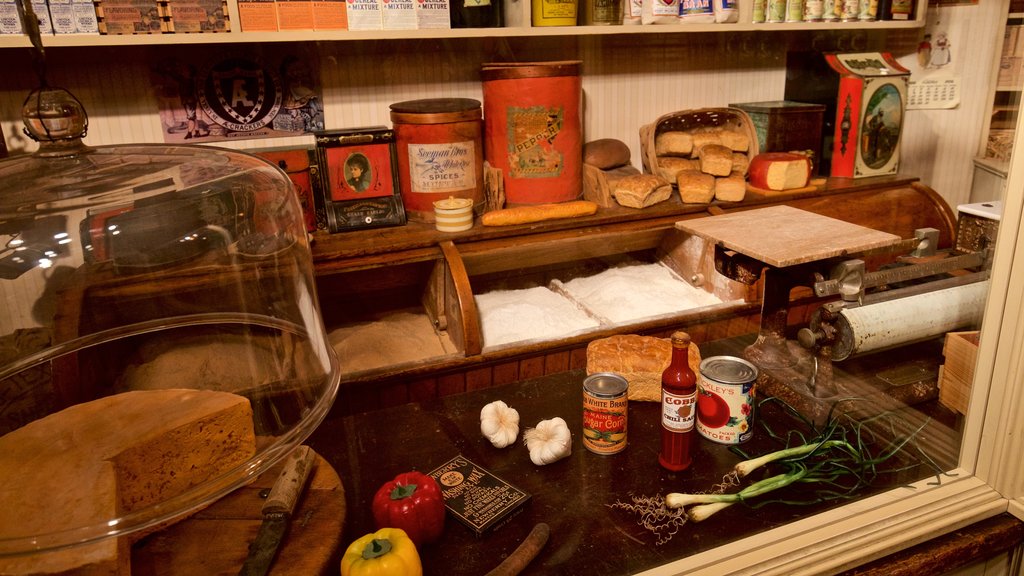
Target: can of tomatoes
{"x":726,"y":389}
{"x":605,"y":407}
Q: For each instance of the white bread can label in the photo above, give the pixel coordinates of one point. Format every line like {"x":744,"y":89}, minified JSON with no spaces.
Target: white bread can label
{"x":677,"y":412}
{"x":447,"y":167}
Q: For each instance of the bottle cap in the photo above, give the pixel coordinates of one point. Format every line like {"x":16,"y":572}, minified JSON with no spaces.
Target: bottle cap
{"x":680,"y":338}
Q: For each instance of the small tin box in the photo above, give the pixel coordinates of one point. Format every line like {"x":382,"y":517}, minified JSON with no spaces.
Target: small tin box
{"x":786,"y":126}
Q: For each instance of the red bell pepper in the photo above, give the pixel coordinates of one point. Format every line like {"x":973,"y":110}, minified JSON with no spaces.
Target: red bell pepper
{"x":412,"y":502}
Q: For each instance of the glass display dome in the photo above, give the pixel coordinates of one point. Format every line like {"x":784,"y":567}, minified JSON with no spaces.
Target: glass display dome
{"x":160,"y":337}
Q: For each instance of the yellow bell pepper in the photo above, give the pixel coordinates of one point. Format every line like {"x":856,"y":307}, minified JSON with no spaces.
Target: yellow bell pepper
{"x":386,"y":552}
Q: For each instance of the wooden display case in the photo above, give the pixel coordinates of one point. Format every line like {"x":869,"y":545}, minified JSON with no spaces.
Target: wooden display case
{"x":410,"y":293}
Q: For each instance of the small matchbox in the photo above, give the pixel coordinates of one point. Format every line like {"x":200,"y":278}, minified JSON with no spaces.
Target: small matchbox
{"x":478,"y":498}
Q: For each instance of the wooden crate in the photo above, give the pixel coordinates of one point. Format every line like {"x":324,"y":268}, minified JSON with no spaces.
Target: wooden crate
{"x":956,"y":375}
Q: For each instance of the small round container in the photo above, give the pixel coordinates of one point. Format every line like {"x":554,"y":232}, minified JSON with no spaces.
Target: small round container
{"x":440,"y":153}
{"x":725,"y":399}
{"x":605,"y":407}
{"x":453,"y":214}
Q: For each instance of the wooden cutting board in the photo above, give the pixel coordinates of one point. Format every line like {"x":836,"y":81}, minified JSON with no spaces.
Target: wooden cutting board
{"x":783,"y":236}
{"x":215,"y":540}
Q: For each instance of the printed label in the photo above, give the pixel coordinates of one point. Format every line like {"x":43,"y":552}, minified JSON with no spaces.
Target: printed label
{"x":532,"y":132}
{"x":677,"y":412}
{"x":725,"y":412}
{"x":447,"y":167}
{"x":696,"y":8}
{"x":604,"y":423}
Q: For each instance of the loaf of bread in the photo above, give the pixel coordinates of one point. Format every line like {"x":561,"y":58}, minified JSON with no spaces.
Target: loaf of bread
{"x":732,"y":188}
{"x":606,"y":153}
{"x":735,"y":140}
{"x":669,"y":166}
{"x":639,"y":359}
{"x":695,"y":187}
{"x":538,"y":213}
{"x":100,"y":460}
{"x":704,"y":137}
{"x":641,"y":190}
{"x":716,"y":159}
{"x":740,"y":163}
{"x":673,"y":143}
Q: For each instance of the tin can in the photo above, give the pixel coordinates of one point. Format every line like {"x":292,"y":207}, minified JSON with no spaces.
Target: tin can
{"x":605,"y":406}
{"x":440,"y":153}
{"x":760,"y":9}
{"x":776,"y":10}
{"x":533,"y":129}
{"x":795,"y":11}
{"x":833,"y":8}
{"x":868,"y":10}
{"x":725,"y":399}
{"x":850,"y":11}
{"x":814,"y":10}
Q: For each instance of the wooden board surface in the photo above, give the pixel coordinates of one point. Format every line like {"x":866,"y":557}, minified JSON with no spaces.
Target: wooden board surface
{"x":215,"y":540}
{"x":784,"y":236}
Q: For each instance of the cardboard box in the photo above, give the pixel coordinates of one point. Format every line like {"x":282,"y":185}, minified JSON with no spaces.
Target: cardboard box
{"x":957,"y":374}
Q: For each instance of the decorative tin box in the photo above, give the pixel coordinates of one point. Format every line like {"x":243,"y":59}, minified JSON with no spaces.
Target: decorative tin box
{"x":864,"y":95}
{"x":786,"y":126}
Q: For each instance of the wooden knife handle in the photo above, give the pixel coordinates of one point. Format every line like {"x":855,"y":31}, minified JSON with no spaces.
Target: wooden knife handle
{"x":290,"y":482}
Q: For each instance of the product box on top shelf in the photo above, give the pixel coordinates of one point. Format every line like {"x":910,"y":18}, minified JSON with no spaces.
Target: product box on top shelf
{"x":864,"y":95}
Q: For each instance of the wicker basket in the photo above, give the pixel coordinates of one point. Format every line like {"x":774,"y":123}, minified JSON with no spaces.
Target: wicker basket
{"x":690,"y":120}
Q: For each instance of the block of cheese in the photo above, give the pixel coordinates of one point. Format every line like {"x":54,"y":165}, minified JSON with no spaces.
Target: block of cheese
{"x":97,"y":461}
{"x":732,"y":188}
{"x":779,"y":170}
{"x":716,"y":159}
{"x":641,"y":190}
{"x":638,"y":359}
{"x":695,"y":187}
{"x":673,"y":143}
{"x":669,"y":166}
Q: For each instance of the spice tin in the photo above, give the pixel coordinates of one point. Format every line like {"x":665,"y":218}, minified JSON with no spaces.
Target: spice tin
{"x":533,"y":129}
{"x":439,"y":145}
{"x":605,"y":406}
{"x":725,"y":399}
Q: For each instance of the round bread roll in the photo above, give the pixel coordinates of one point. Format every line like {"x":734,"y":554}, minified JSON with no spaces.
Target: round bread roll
{"x":606,"y":153}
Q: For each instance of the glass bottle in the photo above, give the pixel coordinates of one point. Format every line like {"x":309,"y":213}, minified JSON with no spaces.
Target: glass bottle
{"x":678,"y":406}
{"x":477,"y":14}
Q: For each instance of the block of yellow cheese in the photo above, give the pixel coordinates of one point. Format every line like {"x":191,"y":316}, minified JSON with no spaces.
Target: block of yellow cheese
{"x":100,"y":460}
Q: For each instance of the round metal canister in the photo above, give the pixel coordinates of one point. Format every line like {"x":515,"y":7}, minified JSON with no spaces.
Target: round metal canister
{"x":440,"y":153}
{"x":725,"y":399}
{"x":533,"y":129}
{"x":605,"y":407}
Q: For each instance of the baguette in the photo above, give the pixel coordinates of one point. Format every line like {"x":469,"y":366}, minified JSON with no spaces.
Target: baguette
{"x":538,"y":212}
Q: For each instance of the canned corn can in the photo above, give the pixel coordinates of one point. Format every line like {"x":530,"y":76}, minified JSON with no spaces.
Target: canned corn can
{"x":605,"y":407}
{"x":725,"y":399}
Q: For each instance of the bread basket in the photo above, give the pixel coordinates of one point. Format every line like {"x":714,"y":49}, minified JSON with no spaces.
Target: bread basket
{"x":732,"y":119}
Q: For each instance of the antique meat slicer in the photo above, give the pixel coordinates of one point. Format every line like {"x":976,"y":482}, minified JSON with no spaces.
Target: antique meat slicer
{"x":877,"y":291}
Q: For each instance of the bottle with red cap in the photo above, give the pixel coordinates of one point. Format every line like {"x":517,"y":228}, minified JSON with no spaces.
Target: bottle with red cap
{"x":678,"y":406}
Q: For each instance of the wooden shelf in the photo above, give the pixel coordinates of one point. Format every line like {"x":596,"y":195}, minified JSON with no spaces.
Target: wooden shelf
{"x":77,"y":40}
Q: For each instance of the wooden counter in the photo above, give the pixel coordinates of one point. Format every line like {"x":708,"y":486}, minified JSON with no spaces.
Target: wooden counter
{"x":573,"y":495}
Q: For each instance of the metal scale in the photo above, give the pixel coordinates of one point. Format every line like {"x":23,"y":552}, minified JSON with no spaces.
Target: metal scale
{"x":863,"y":311}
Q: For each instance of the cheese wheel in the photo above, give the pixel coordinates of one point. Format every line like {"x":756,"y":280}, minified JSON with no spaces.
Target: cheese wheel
{"x":99,"y":460}
{"x":779,"y":170}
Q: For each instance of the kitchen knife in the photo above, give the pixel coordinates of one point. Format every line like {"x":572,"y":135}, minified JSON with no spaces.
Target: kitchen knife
{"x":277,"y":511}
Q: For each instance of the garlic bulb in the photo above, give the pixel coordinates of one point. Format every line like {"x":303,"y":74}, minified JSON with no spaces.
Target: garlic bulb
{"x":549,"y":442}
{"x":499,"y":423}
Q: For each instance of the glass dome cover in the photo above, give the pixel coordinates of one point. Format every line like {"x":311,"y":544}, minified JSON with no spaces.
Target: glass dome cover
{"x":160,"y":344}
